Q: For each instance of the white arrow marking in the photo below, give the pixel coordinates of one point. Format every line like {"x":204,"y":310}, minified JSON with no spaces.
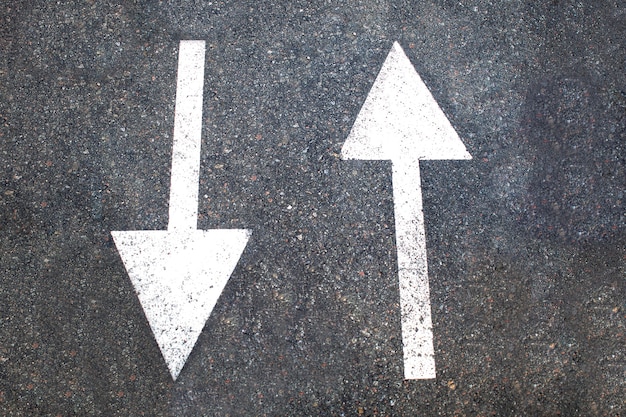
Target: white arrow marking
{"x":180,"y":273}
{"x":401,"y":121}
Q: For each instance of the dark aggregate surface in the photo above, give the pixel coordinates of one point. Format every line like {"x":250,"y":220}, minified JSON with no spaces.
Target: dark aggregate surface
{"x":526,"y":242}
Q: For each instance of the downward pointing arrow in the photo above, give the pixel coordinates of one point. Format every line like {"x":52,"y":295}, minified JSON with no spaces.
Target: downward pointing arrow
{"x":180,"y":273}
{"x":401,"y":121}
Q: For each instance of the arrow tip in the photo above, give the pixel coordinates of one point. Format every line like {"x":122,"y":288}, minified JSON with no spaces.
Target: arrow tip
{"x":178,"y":277}
{"x":401,"y":119}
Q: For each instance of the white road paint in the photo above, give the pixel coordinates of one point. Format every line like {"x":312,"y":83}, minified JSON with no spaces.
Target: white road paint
{"x":178,"y":278}
{"x":187,"y":137}
{"x":180,"y":273}
{"x":401,"y":121}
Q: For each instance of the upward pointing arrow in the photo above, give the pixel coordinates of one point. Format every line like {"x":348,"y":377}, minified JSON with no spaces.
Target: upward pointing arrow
{"x":401,"y":121}
{"x":180,"y":273}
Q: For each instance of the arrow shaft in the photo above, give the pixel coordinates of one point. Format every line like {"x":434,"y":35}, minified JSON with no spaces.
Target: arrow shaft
{"x":417,"y":334}
{"x":185,"y":174}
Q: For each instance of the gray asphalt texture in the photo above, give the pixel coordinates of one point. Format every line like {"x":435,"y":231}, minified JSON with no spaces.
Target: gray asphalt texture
{"x":526,"y":242}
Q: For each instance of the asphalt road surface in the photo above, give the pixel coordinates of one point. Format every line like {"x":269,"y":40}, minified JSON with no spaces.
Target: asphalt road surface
{"x":526,"y":242}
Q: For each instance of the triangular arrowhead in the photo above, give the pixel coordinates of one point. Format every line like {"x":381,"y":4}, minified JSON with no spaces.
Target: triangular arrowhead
{"x":401,"y":119}
{"x":178,"y":276}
